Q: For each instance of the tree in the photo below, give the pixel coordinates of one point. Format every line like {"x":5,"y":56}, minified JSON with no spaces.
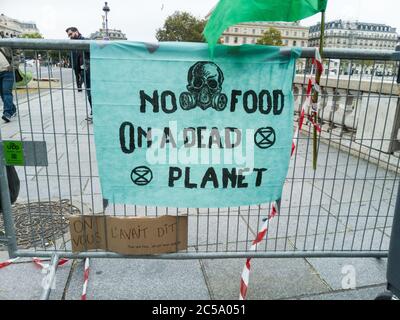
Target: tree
{"x":182,"y":26}
{"x":271,"y":37}
{"x":35,"y":35}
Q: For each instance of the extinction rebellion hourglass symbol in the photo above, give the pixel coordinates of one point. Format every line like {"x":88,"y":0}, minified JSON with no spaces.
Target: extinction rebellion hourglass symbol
{"x":264,"y":137}
{"x":141,"y":176}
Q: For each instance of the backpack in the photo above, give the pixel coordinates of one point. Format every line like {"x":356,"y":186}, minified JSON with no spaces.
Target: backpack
{"x":13,"y":184}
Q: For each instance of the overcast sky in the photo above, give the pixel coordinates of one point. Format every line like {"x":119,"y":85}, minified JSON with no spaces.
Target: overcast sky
{"x":139,"y":19}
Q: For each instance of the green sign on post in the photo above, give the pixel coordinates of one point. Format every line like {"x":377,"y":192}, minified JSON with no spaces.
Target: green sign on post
{"x":13,"y":153}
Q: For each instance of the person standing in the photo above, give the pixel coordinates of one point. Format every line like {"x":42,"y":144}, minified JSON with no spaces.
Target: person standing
{"x":81,"y":66}
{"x":9,"y":61}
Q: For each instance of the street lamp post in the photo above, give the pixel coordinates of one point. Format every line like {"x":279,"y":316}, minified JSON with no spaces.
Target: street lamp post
{"x":106,"y":10}
{"x":398,"y":71}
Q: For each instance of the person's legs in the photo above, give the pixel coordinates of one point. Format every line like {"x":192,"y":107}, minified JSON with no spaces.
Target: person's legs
{"x":87,"y":86}
{"x":79,"y":81}
{"x":6,"y":83}
{"x":78,"y":78}
{"x":88,"y":90}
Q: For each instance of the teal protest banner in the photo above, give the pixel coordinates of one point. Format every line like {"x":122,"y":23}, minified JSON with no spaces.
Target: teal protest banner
{"x":173,"y":128}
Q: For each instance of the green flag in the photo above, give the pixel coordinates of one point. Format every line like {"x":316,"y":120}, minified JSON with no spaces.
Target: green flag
{"x":231,"y":12}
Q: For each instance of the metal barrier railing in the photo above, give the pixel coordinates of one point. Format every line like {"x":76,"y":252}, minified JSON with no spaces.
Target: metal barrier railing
{"x":344,"y":208}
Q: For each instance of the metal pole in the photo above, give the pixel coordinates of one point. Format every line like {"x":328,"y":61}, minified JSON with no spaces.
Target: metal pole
{"x":329,"y":53}
{"x":6,"y":205}
{"x":398,"y":71}
{"x":106,"y":24}
{"x":393,"y":263}
{"x":211,"y":255}
{"x":106,"y":10}
{"x":50,"y":277}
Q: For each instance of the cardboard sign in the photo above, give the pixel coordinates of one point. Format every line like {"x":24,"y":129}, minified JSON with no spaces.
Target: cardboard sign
{"x":173,"y":128}
{"x":129,"y":235}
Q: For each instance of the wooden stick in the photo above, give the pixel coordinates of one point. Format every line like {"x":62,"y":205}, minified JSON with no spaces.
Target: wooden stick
{"x":315,"y":94}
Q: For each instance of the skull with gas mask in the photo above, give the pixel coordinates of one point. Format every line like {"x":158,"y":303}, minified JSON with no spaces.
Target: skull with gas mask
{"x":204,"y":85}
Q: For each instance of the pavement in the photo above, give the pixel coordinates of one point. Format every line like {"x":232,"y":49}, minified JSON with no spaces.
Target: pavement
{"x":346,"y":205}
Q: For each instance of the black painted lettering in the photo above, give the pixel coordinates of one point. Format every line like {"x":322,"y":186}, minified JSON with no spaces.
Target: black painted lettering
{"x":241,"y":178}
{"x":144,"y":135}
{"x":167,"y":138}
{"x":153,"y":101}
{"x":230,"y":142}
{"x":229,"y":176}
{"x":186,"y":140}
{"x":265,"y":94}
{"x":259,"y":175}
{"x":131,"y":136}
{"x":247,"y":107}
{"x":209,"y":176}
{"x":278,"y":96}
{"x":200,"y":137}
{"x":172,"y":108}
{"x":215,"y":138}
{"x":234,"y":99}
{"x":175,"y":174}
{"x":188,"y":184}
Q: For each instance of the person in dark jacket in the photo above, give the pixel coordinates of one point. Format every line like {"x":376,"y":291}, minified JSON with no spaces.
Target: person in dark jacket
{"x":81,"y":65}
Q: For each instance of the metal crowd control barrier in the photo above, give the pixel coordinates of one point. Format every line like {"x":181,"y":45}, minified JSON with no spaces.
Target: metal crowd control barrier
{"x":343,"y":209}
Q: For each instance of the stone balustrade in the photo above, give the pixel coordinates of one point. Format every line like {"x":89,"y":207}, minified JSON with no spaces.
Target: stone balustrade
{"x":364,"y":115}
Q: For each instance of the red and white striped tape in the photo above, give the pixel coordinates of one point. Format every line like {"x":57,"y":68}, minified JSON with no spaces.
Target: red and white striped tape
{"x":7,"y":263}
{"x":86,"y":279}
{"x":38,"y":262}
{"x":317,"y":62}
{"x":244,"y":281}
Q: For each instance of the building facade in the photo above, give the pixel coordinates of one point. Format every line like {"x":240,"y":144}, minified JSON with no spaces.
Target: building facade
{"x":292,"y":33}
{"x":354,"y":34}
{"x":11,"y":28}
{"x":29,"y":27}
{"x":113,"y":34}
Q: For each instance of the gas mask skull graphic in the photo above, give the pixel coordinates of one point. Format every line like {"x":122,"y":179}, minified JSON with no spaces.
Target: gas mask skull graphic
{"x":204,"y":85}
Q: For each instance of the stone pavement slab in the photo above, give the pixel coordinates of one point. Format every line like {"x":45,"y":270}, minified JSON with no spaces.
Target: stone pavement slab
{"x":303,"y":193}
{"x":138,"y":279}
{"x":351,"y":190}
{"x":270,"y":278}
{"x":366,"y":271}
{"x":23,"y":279}
{"x":365,"y":240}
{"x":213,"y":229}
{"x":363,"y":215}
{"x":369,"y":293}
{"x":296,"y":221}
